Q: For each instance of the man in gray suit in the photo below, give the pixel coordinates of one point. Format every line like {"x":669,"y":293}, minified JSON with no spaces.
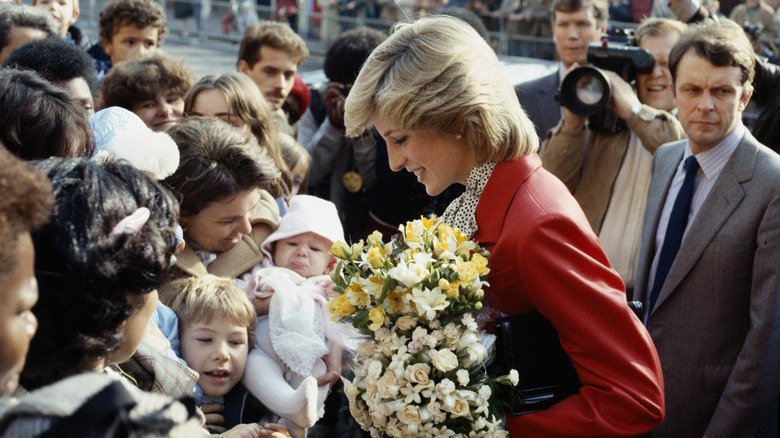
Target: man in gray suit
{"x":575,"y":24}
{"x":713,"y":303}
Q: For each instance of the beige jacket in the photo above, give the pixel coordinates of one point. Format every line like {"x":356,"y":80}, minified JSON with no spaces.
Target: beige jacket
{"x":588,"y":162}
{"x":241,"y":257}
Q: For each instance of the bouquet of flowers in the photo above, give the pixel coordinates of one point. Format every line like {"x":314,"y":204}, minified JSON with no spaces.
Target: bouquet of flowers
{"x":420,"y":370}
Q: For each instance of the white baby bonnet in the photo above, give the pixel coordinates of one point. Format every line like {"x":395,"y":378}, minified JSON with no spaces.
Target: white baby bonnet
{"x":123,"y":135}
{"x":307,"y":214}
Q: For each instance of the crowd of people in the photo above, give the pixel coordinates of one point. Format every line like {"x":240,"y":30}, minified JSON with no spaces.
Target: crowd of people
{"x":164,"y":239}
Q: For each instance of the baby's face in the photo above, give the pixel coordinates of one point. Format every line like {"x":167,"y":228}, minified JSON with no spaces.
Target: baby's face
{"x":217,"y":351}
{"x":306,"y":254}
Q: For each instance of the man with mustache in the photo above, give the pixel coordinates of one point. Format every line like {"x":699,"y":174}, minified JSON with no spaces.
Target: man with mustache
{"x":609,"y":173}
{"x":270,"y":53}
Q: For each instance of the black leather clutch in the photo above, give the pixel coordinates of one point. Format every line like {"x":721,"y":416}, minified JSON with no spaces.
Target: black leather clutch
{"x":529,"y":344}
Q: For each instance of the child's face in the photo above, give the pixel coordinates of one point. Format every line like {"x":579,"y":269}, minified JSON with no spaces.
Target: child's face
{"x":217,"y":351}
{"x":131,"y":42}
{"x":162,"y":111}
{"x":18,"y":294}
{"x":62,"y":12}
{"x":306,"y":254}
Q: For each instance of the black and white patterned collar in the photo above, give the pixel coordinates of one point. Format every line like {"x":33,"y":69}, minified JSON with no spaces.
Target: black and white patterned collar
{"x":461,"y":212}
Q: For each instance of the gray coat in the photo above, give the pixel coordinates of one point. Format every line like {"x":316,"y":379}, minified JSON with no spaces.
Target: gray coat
{"x":716,"y":324}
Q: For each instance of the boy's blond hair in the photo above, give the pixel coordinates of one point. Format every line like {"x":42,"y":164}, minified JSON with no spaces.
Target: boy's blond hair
{"x":202,"y":299}
{"x":75,"y":5}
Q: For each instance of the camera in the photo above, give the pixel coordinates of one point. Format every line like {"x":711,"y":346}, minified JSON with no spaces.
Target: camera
{"x":586,"y":90}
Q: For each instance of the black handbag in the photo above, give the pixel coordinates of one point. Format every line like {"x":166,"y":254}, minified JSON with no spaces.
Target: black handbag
{"x":529,"y":344}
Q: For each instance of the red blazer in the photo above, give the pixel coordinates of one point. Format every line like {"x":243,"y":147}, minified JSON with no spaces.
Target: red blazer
{"x":546,"y":258}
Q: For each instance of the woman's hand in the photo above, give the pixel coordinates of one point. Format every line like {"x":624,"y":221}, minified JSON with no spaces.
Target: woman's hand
{"x":243,"y":431}
{"x":214,"y":417}
{"x":274,"y":430}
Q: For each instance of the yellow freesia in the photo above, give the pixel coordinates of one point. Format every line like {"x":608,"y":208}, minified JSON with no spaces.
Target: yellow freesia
{"x":340,"y":306}
{"x":377,"y":317}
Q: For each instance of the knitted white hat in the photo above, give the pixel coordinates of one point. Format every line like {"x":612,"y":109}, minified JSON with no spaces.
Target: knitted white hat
{"x":307,"y":214}
{"x":123,"y":135}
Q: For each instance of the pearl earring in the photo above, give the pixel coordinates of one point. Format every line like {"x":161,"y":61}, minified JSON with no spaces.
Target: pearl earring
{"x":458,"y":136}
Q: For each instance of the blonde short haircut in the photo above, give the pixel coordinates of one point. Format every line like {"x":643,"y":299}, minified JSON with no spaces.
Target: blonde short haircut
{"x":437,"y":74}
{"x":76,"y":8}
{"x":202,"y":299}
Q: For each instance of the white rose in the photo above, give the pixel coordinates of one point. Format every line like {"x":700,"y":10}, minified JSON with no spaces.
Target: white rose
{"x":418,"y":373}
{"x":379,"y":420}
{"x":387,"y":387}
{"x":409,"y":414}
{"x":445,"y":360}
{"x":514,"y":378}
{"x":460,"y":408}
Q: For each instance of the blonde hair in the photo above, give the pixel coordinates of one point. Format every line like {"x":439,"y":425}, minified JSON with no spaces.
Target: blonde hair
{"x":655,"y":27}
{"x":437,"y":74}
{"x":75,"y":4}
{"x":204,"y":298}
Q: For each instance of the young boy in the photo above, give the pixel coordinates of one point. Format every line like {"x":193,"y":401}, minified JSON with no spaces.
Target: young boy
{"x":294,"y":334}
{"x":216,"y":330}
{"x":128,"y":29}
{"x":65,"y":13}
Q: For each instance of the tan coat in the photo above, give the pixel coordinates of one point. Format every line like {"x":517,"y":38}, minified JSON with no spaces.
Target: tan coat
{"x":241,"y":257}
{"x":588,"y":163}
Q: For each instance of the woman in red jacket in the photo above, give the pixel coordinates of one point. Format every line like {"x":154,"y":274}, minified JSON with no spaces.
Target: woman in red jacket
{"x":436,"y":92}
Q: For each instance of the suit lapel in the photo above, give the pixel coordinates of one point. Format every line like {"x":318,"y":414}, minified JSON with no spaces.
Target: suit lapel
{"x":723,"y":199}
{"x":666,"y":162}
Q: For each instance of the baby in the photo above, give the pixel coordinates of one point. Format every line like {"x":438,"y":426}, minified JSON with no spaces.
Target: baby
{"x":216,"y":330}
{"x":290,"y":295}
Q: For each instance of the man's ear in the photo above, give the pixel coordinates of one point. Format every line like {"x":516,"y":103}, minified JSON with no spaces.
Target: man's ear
{"x":243,"y":67}
{"x":747,"y":92}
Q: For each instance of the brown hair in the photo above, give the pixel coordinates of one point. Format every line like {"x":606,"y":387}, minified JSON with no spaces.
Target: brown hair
{"x":722,"y":43}
{"x":136,"y":80}
{"x":39,"y":120}
{"x":272,"y":34}
{"x":600,"y":8}
{"x":139,"y":13}
{"x":24,"y":206}
{"x":245,"y":100}
{"x":655,"y":27}
{"x":216,"y":162}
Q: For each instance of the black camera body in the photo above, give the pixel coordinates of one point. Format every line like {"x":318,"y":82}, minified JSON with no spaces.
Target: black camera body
{"x":586,"y":90}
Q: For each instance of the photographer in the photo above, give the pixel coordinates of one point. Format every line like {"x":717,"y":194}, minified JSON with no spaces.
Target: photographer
{"x":609,"y":173}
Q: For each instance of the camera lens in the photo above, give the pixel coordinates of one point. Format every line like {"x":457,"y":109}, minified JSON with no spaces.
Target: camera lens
{"x":585,"y":91}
